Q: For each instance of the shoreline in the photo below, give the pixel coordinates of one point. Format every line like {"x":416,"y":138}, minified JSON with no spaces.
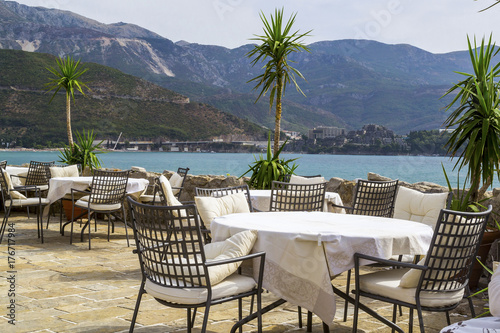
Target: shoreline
{"x":212,"y":152}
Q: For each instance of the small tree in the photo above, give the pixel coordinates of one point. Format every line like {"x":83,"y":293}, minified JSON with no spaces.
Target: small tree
{"x":277,"y":44}
{"x":476,"y":120}
{"x":66,"y":77}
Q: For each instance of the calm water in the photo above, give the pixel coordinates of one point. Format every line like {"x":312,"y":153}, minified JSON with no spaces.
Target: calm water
{"x":407,"y":168}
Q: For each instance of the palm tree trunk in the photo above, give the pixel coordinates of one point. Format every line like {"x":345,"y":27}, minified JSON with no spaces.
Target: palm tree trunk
{"x":68,"y":120}
{"x":277,"y":120}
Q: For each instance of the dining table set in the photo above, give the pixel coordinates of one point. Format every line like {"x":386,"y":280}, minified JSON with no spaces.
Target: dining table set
{"x":305,"y":250}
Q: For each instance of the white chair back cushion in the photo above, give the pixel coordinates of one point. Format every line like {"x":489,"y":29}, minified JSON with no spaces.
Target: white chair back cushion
{"x":235,"y":246}
{"x":175,"y":181}
{"x":306,"y":181}
{"x":67,"y":171}
{"x":419,"y":207}
{"x":210,"y":207}
{"x":13,"y":194}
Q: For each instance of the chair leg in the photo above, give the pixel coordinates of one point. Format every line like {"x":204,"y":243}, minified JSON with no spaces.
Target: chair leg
{"x":205,"y":318}
{"x":189,"y":324}
{"x":4,"y":222}
{"x":448,"y":317}
{"x":410,"y":321}
{"x":259,"y":311}
{"x":471,"y":305}
{"x":348,"y":284}
{"x":299,"y":312}
{"x":355,"y":315}
{"x":125,"y":222}
{"x":240,"y":312}
{"x":136,"y":310}
{"x":309,"y":321}
{"x":39,"y":221}
{"x":420,"y":319}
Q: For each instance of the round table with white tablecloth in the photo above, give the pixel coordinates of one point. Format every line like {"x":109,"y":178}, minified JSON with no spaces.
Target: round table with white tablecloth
{"x":296,"y":243}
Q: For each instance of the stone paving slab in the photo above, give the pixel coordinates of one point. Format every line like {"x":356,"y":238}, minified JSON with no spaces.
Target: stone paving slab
{"x":62,"y":287}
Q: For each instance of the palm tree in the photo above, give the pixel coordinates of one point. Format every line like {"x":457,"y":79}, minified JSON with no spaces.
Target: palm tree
{"x":66,"y":77}
{"x":277,"y":44}
{"x":476,"y":120}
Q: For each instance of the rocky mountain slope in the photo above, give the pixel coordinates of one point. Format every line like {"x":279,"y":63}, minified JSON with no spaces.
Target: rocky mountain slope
{"x":349,"y":82}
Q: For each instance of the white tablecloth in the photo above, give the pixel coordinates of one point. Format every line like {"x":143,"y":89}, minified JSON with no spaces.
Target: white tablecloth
{"x":296,"y":269}
{"x":59,"y":186}
{"x":262,"y":198}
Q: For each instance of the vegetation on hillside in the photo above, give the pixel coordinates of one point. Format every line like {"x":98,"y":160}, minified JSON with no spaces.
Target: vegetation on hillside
{"x":118,"y":103}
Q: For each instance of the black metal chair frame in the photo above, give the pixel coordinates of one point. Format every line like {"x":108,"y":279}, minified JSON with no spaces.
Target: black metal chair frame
{"x":164,"y":234}
{"x":220,"y":192}
{"x":6,"y":196}
{"x":3,"y":164}
{"x":447,"y":265}
{"x":183,"y":173}
{"x":223,"y":191}
{"x":288,"y":197}
{"x":38,"y":175}
{"x":107,"y":188}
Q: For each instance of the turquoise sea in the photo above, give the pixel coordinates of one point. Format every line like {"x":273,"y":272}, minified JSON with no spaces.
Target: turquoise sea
{"x":411,"y":169}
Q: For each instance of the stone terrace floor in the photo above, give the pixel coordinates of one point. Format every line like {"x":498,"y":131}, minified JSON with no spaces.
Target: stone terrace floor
{"x":67,"y":288}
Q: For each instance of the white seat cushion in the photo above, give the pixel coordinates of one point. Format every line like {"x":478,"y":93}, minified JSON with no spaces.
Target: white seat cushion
{"x":83,"y":202}
{"x":175,"y":181}
{"x":386,"y":283}
{"x":210,"y":207}
{"x":233,"y":285}
{"x":149,"y":198}
{"x":419,"y":207}
{"x":26,"y":202}
{"x":169,"y":195}
{"x":13,"y":194}
{"x":66,"y":171}
{"x":306,"y":181}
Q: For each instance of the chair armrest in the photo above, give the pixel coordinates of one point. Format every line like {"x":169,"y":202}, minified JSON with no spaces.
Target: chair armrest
{"x":255,"y":210}
{"x":339,"y":206}
{"x":242,"y":258}
{"x":388,"y":262}
{"x":26,"y":188}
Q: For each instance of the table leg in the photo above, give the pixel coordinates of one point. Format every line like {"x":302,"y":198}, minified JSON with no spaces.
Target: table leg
{"x":367,"y":310}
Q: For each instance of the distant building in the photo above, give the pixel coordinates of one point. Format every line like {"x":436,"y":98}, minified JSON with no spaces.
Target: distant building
{"x":326,"y":132}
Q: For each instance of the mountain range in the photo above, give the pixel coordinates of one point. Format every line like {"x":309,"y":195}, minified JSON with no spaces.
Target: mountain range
{"x":349,"y":83}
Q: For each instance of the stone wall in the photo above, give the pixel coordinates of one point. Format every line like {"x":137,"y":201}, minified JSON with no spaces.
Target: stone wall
{"x":344,"y":187}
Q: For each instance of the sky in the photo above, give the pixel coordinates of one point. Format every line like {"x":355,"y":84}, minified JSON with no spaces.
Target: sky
{"x":437,"y":26}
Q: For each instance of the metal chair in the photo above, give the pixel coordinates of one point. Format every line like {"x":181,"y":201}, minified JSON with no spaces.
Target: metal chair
{"x":287,"y":197}
{"x":3,"y":164}
{"x":374,"y":198}
{"x":12,"y":198}
{"x":218,"y":193}
{"x":178,"y":189}
{"x":107,"y":192}
{"x":174,"y":267}
{"x":38,"y":174}
{"x":153,"y":191}
{"x":439,"y":281}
